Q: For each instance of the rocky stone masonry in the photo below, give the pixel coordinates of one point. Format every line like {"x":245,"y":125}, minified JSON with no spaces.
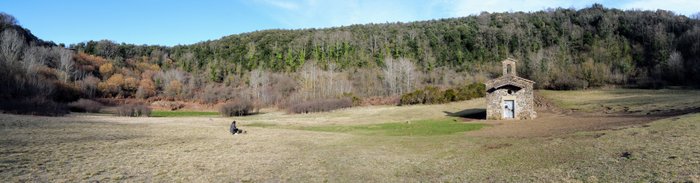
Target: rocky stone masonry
{"x":510,"y":87}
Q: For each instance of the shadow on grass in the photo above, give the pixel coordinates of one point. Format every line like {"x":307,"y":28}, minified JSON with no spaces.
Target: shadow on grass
{"x":477,"y":113}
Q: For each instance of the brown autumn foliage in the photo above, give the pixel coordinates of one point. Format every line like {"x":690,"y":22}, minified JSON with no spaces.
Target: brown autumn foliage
{"x":88,"y":63}
{"x":106,"y":70}
{"x":113,"y":85}
{"x":147,"y":88}
{"x":146,"y":66}
{"x":47,"y":73}
{"x":130,"y":84}
{"x":379,"y":100}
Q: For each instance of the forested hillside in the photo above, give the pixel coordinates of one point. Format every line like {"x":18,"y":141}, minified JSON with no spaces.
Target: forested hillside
{"x":557,"y":48}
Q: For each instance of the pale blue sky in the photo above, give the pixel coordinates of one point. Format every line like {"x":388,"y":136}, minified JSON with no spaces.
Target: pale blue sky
{"x":172,"y":22}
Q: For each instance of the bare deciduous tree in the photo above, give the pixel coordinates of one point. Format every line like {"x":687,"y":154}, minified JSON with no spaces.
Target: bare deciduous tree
{"x":33,"y":57}
{"x":399,"y":75}
{"x":390,"y":75}
{"x":675,"y":66}
{"x":408,"y":74}
{"x":11,"y":45}
{"x":259,"y":79}
{"x":66,"y":63}
{"x":309,"y":74}
{"x":88,"y":85}
{"x":319,"y":84}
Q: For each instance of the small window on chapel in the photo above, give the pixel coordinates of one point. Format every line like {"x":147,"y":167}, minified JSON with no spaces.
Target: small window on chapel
{"x":508,"y":69}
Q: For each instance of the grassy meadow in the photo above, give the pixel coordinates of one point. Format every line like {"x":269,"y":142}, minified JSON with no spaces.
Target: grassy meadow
{"x":408,"y":128}
{"x":183,"y":113}
{"x":422,"y":143}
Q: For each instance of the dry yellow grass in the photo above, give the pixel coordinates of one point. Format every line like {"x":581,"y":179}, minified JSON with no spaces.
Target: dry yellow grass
{"x":364,"y":115}
{"x":636,"y":101}
{"x":199,"y":149}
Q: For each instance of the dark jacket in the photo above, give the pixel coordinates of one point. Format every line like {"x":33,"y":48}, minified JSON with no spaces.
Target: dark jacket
{"x":233,"y":128}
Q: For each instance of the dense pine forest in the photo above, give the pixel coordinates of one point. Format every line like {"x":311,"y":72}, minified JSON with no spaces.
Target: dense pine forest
{"x":371,"y":63}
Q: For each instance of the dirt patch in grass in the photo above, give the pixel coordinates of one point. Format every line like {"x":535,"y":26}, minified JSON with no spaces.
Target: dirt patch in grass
{"x":550,"y":124}
{"x":497,"y":146}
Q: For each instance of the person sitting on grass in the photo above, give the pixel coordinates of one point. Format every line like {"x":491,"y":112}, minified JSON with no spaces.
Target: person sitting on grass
{"x":234,"y":130}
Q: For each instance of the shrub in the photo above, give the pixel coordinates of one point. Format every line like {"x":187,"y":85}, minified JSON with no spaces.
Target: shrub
{"x":147,"y":87}
{"x":450,"y":95}
{"x":319,"y":105}
{"x":236,"y":108}
{"x":412,"y":98}
{"x":130,"y":84}
{"x":568,"y":83}
{"x":376,"y":100}
{"x":433,"y":95}
{"x":356,"y":101}
{"x":133,"y":110}
{"x":34,"y":106}
{"x":106,"y":70}
{"x":85,"y":105}
{"x":65,"y":92}
{"x":474,"y":90}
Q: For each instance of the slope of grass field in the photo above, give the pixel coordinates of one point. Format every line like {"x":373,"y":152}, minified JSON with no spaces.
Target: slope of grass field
{"x":343,"y":146}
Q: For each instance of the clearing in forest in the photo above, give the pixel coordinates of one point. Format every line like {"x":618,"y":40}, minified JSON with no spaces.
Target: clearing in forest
{"x":599,"y":135}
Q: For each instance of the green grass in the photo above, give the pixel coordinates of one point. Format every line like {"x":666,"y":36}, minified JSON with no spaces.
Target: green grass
{"x":412,"y":128}
{"x":182,"y":113}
